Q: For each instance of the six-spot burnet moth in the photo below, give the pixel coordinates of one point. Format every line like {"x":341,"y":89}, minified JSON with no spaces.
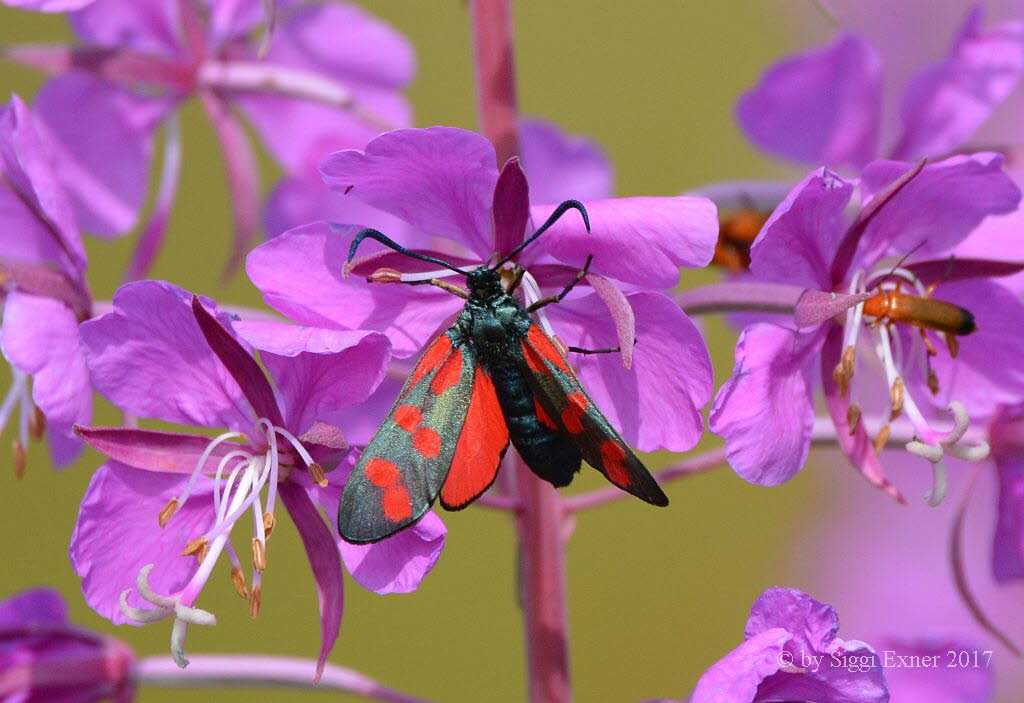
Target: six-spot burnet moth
{"x":491,"y":377}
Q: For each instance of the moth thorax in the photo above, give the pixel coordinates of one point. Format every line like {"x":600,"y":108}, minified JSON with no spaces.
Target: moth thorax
{"x":484,"y":283}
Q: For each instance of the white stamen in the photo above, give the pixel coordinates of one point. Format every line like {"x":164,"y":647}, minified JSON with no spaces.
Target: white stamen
{"x":202,"y":462}
{"x":306,"y":457}
{"x":245,"y":456}
{"x":18,"y":391}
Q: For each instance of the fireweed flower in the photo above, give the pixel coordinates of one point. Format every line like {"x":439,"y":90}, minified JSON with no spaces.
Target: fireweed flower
{"x":835,"y":94}
{"x":445,"y":185}
{"x":156,"y":518}
{"x":791,"y":653}
{"x":897,"y":244}
{"x":44,"y":291}
{"x":331,"y":77}
{"x":43,"y":657}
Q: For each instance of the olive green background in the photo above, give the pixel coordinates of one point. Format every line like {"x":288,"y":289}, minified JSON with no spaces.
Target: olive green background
{"x":655,"y":595}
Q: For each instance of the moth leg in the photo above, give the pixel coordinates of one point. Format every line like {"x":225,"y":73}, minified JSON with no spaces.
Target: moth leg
{"x":537,"y":305}
{"x":516,"y":280}
{"x":443,"y":285}
{"x":609,"y":350}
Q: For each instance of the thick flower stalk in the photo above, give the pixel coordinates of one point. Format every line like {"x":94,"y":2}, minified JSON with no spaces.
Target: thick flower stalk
{"x":164,"y":354}
{"x":880,"y":294}
{"x":331,"y":78}
{"x":44,"y":292}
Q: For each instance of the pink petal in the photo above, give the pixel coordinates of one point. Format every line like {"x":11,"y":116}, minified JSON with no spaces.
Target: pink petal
{"x":656,"y":403}
{"x":318,"y":371}
{"x":562,"y":166}
{"x":152,"y":235}
{"x":150,"y":25}
{"x":622,"y":315}
{"x":1008,"y":541}
{"x":765,"y":410}
{"x":323,"y":558}
{"x":242,"y":174}
{"x":37,"y":607}
{"x":736,"y":676}
{"x":834,"y":94}
{"x":153,"y":450}
{"x":636,"y":240}
{"x":239,"y":363}
{"x":150,"y":358}
{"x":103,"y":148}
{"x":511,"y":208}
{"x":945,"y":103}
{"x":117,"y":534}
{"x":40,"y":337}
{"x":439,"y":180}
{"x":408,"y":315}
{"x":798,"y":242}
{"x":987,"y":371}
{"x":28,"y":166}
{"x":395,"y":565}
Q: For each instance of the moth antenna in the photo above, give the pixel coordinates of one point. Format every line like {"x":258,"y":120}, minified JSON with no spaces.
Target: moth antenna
{"x":391,"y":244}
{"x":559,"y":211}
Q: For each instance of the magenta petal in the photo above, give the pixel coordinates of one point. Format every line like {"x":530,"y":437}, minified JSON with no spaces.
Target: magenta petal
{"x":318,"y":371}
{"x":150,"y":358}
{"x":735,"y":677}
{"x":149,"y":25}
{"x":945,"y":103}
{"x":37,"y":607}
{"x":562,"y":166}
{"x":656,"y":403}
{"x":1008,"y":452}
{"x":765,"y":410}
{"x":636,"y":240}
{"x":239,"y":363}
{"x":300,"y":200}
{"x":153,"y":450}
{"x":439,"y":180}
{"x":511,"y":208}
{"x":103,"y":149}
{"x":938,"y":208}
{"x":834,"y":94}
{"x":622,"y":315}
{"x":988,"y":369}
{"x":48,"y":5}
{"x":152,"y":235}
{"x":399,"y":563}
{"x":959,"y":269}
{"x":242,"y":173}
{"x":361,"y":421}
{"x":322,"y":298}
{"x":395,"y":565}
{"x":800,"y":238}
{"x":117,"y":534}
{"x":28,"y":167}
{"x":323,"y":558}
{"x":40,"y":337}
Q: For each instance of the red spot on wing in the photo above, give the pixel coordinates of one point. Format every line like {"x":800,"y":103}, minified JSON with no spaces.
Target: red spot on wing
{"x":572,"y":416}
{"x":448,"y":375}
{"x":613,"y":460}
{"x":382,"y":472}
{"x":534,"y":360}
{"x":478,"y":452}
{"x":394,"y":500}
{"x":432,"y":357}
{"x":427,"y":442}
{"x":542,"y":416}
{"x":408,"y":417}
{"x":396,"y":504}
{"x":546,"y":348}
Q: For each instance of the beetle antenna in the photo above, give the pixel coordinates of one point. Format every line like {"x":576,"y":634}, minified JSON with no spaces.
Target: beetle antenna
{"x":559,"y":211}
{"x":378,"y":237}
